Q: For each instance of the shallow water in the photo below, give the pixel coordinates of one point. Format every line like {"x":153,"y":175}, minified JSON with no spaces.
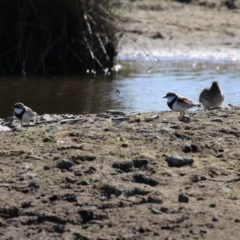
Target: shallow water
{"x":141,"y":83}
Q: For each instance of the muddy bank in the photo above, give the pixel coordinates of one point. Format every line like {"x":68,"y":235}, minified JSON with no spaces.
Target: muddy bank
{"x":120,"y":176}
{"x":202,"y":29}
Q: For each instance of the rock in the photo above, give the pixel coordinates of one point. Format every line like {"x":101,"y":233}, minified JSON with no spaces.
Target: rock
{"x":102,"y":115}
{"x":143,"y":130}
{"x":155,"y":211}
{"x":190,"y":148}
{"x":212,"y":205}
{"x":86,"y":215}
{"x":59,"y":228}
{"x":64,"y":164}
{"x":48,"y":139}
{"x":70,"y":179}
{"x":116,"y":112}
{"x":9,"y":212}
{"x":120,"y":119}
{"x":33,"y":157}
{"x":4,"y":128}
{"x":152,"y":118}
{"x":225,"y":115}
{"x":47,"y":118}
{"x":46,"y":168}
{"x":33,"y":184}
{"x":182,"y":198}
{"x":216,"y":120}
{"x":165,"y":121}
{"x":186,"y":119}
{"x":70,"y":121}
{"x":177,"y":161}
{"x":152,"y":199}
{"x":141,"y":178}
{"x":26,"y":204}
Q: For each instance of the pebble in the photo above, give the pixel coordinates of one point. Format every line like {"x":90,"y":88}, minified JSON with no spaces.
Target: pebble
{"x":177,"y":161}
{"x":33,"y":157}
{"x":152,"y":118}
{"x":64,"y":164}
{"x":182,"y":198}
{"x":155,"y":211}
{"x":224,"y":115}
{"x":33,"y":184}
{"x":186,"y":119}
{"x":102,"y":115}
{"x":116,"y":112}
{"x":120,"y":119}
{"x":70,"y":121}
{"x":143,"y":130}
{"x":4,"y":129}
{"x":217,"y":120}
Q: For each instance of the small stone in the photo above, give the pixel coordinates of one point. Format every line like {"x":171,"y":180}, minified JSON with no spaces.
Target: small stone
{"x":183,"y":198}
{"x":64,"y":164}
{"x":212,"y":205}
{"x":4,"y":129}
{"x":33,"y":184}
{"x":26,"y":204}
{"x":225,"y":115}
{"x":70,"y":179}
{"x":120,"y":119}
{"x":164,"y":209}
{"x":33,"y":157}
{"x":186,"y":119}
{"x":102,"y":115}
{"x":46,"y":168}
{"x":177,"y":161}
{"x":217,"y":120}
{"x":155,"y":211}
{"x":143,"y":130}
{"x":48,"y":139}
{"x":58,"y":228}
{"x":214,"y":219}
{"x":70,"y":121}
{"x":116,"y":112}
{"x":152,"y":118}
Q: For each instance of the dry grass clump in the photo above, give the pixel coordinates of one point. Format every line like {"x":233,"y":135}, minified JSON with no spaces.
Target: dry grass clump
{"x":56,"y":36}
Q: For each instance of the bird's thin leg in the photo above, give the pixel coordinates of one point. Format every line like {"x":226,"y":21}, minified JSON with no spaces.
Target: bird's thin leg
{"x":181,"y":115}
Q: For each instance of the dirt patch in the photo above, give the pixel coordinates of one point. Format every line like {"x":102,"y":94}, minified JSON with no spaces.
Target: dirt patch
{"x":89,"y":177}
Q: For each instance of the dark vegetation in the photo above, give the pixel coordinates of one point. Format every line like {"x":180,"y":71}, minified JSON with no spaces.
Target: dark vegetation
{"x":56,"y":36}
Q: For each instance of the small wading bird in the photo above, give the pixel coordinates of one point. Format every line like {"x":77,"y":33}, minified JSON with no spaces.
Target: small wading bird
{"x":179,"y":103}
{"x":23,"y":113}
{"x":211,"y":97}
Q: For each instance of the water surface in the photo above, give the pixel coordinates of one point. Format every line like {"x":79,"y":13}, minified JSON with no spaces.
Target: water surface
{"x":141,"y":83}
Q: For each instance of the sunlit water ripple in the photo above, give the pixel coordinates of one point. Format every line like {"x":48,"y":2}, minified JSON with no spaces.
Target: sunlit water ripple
{"x":142,"y":85}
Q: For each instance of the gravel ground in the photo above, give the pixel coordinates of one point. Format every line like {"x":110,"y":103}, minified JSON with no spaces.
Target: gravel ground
{"x":131,"y":176}
{"x":121,"y":176}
